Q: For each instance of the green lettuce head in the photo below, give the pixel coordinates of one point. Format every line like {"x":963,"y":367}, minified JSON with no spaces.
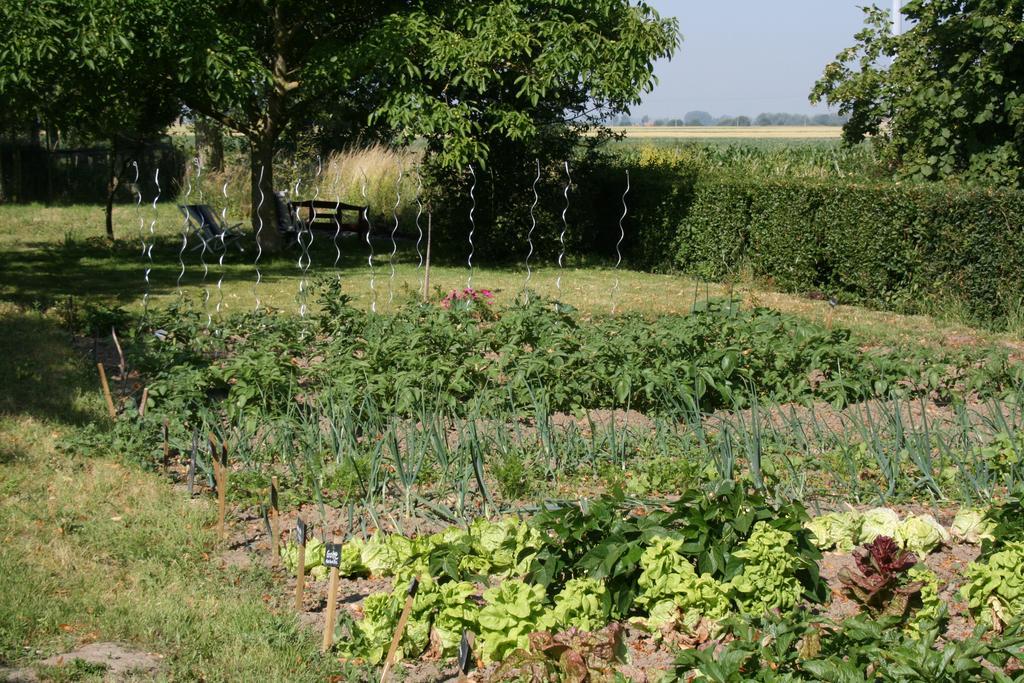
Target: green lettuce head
{"x":994,"y":589}
{"x":768,"y":579}
{"x":511,"y":614}
{"x":583,"y":604}
{"x":672,"y":591}
{"x":839,"y":530}
{"x":920,"y":534}
{"x":457,"y":612}
{"x":971,"y":526}
{"x":878,"y":522}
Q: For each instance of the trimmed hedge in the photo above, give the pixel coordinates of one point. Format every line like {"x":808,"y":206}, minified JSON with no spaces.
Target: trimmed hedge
{"x":904,"y":247}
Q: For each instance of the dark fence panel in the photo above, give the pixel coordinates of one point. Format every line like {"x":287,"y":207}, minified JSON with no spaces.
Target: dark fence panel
{"x":29,"y":173}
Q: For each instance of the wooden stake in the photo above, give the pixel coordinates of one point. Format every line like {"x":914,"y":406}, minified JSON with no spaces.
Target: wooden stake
{"x":106,"y":391}
{"x":274,"y":524}
{"x":167,"y":443}
{"x":465,"y":654}
{"x":332,"y":599}
{"x":426,"y":268}
{"x":220,"y":476}
{"x":300,"y":570}
{"x":410,"y":595}
{"x":143,"y":401}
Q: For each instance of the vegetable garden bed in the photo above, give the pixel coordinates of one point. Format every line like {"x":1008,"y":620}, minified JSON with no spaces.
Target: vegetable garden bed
{"x":608,"y":496}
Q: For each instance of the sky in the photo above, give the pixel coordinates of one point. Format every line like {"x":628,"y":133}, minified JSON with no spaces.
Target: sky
{"x":749,"y":56}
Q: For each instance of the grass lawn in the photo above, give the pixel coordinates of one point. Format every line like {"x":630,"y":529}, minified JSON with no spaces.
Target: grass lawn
{"x":50,"y":253}
{"x":94,"y":550}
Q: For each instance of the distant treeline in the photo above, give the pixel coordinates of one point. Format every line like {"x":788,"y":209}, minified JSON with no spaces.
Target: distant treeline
{"x":703,"y":118}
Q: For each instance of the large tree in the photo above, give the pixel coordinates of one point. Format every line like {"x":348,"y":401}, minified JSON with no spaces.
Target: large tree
{"x":946,"y":96}
{"x":463,"y":75}
{"x":70,"y":65}
{"x":453,"y":72}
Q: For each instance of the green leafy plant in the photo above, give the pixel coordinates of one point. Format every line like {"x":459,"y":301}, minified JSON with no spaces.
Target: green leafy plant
{"x":920,"y":534}
{"x":971,"y":525}
{"x":768,"y":580}
{"x":672,"y":593}
{"x":513,"y":611}
{"x":994,"y":586}
{"x":839,"y":530}
{"x":583,"y":604}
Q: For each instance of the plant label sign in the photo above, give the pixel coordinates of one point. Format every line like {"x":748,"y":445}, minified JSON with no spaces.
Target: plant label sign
{"x":332,"y":555}
{"x":300,"y":532}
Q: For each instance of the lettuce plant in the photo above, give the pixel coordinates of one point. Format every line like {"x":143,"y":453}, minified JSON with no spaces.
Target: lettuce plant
{"x":839,"y":530}
{"x":768,"y":578}
{"x":970,"y":525}
{"x":878,"y":522}
{"x":372,"y":634}
{"x":457,"y":612}
{"x":572,"y":655}
{"x":512,"y":611}
{"x":932,"y":608}
{"x":583,"y":604}
{"x":315,"y":568}
{"x":671,"y":590}
{"x":880,"y":585}
{"x":920,"y":534}
{"x":994,"y":588}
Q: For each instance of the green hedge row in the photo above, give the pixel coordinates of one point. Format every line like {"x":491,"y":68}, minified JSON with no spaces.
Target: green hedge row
{"x":904,"y":247}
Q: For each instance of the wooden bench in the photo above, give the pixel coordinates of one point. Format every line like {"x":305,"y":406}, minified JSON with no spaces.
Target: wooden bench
{"x":331,"y":217}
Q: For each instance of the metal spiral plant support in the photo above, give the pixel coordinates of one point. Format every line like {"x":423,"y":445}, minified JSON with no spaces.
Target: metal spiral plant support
{"x":529,"y":234}
{"x":303,"y":263}
{"x":618,"y":245}
{"x":419,"y":228}
{"x":138,"y":209}
{"x":472,"y":227}
{"x":148,"y":248}
{"x":337,"y":222}
{"x":394,"y":230}
{"x":223,"y":249}
{"x":184,"y":238}
{"x":369,"y":259}
{"x":202,"y":242}
{"x":565,"y":228}
{"x":259,"y":245}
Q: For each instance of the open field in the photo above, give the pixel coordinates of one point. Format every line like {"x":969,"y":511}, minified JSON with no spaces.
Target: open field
{"x":731,"y":132}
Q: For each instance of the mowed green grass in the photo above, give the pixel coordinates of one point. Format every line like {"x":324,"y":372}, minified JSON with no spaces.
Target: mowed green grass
{"x":48,"y":254}
{"x":96,"y":550}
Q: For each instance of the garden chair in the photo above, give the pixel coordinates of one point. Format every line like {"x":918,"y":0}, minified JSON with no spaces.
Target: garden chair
{"x":288,"y":223}
{"x":207,"y":225}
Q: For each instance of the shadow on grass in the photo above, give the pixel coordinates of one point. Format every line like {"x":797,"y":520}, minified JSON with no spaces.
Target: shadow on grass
{"x":41,"y":274}
{"x":40,"y":374}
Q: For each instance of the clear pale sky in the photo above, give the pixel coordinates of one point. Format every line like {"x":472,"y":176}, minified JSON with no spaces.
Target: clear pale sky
{"x":750,"y":56}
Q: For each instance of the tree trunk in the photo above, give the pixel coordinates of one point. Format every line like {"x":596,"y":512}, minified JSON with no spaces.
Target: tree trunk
{"x":210,"y":143}
{"x":264,"y":212}
{"x":112,"y":184}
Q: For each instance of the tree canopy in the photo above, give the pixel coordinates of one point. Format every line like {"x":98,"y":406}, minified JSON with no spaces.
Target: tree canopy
{"x":946,"y":96}
{"x":462,"y":75}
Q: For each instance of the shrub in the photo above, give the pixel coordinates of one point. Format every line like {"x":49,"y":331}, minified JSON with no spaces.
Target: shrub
{"x":899,"y":246}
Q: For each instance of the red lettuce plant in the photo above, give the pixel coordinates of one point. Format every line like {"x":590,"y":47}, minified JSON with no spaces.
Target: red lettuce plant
{"x":880,"y":585}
